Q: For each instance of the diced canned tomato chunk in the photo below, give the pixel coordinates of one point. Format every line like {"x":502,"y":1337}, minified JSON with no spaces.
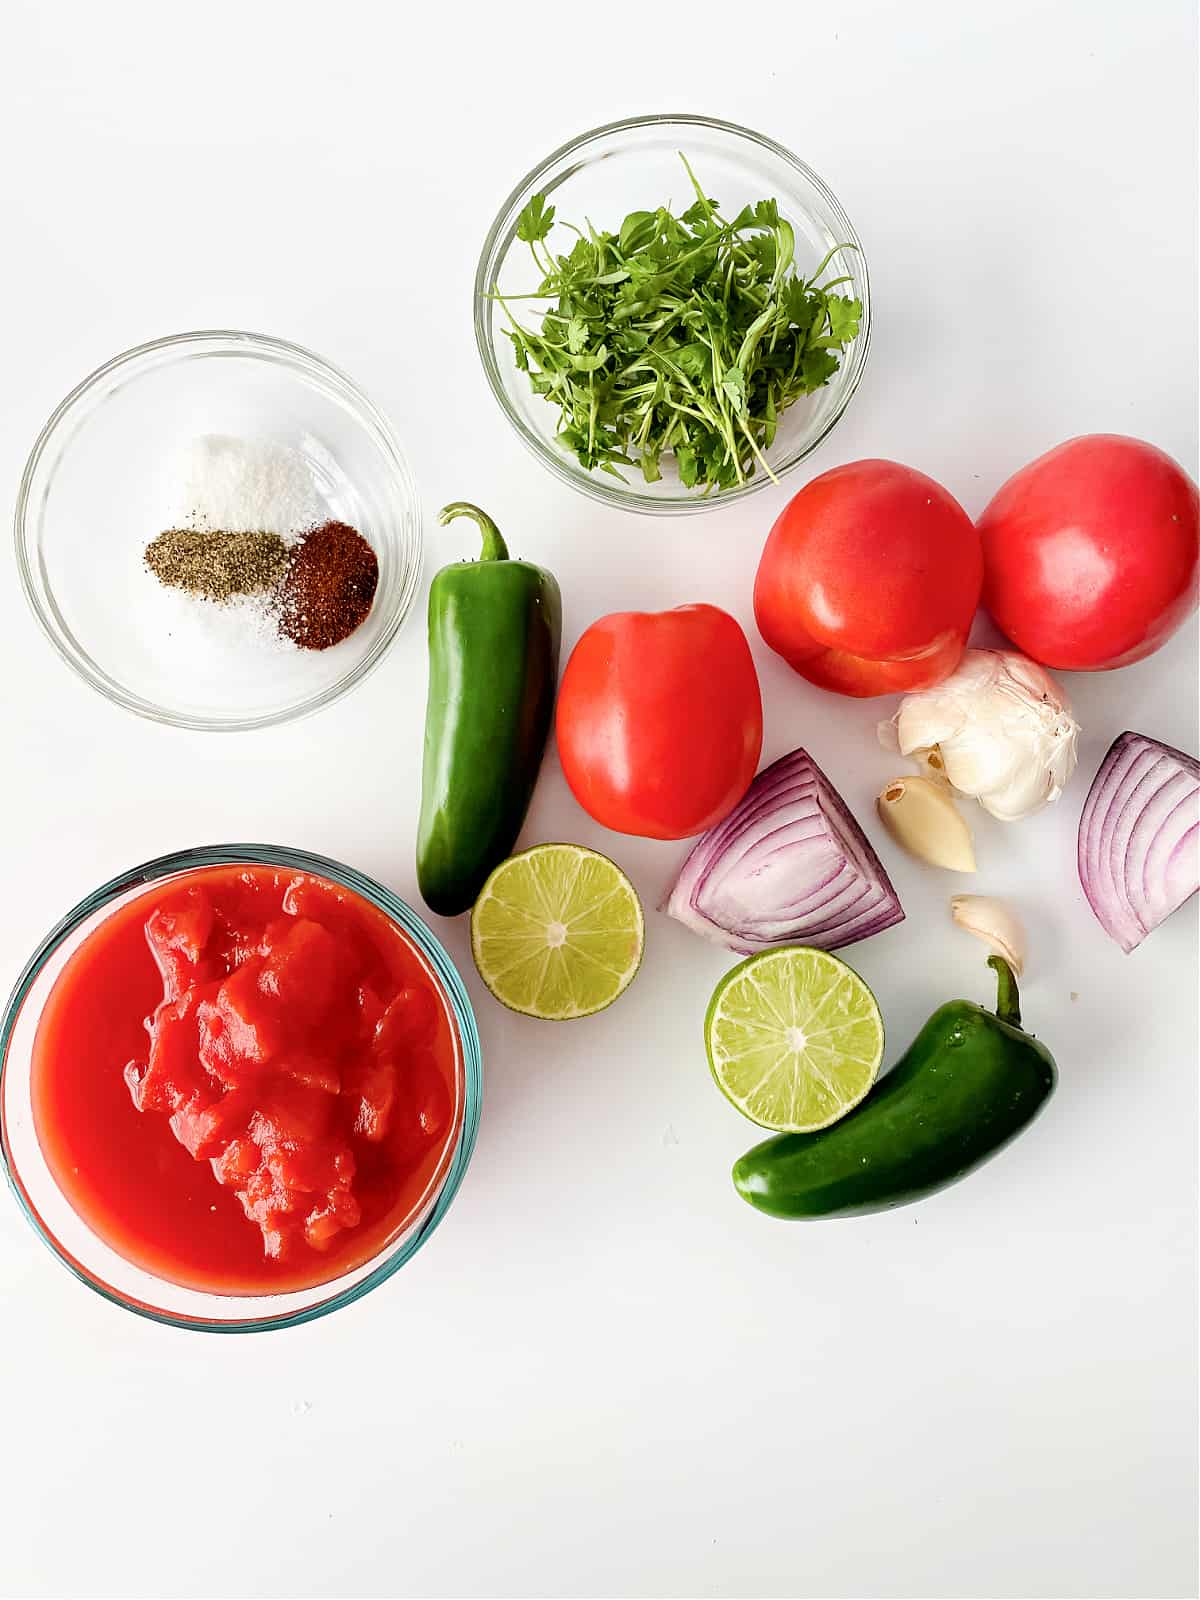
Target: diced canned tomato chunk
{"x":373,"y":1083}
{"x":178,"y":939}
{"x":409,"y":1020}
{"x":301,"y":972}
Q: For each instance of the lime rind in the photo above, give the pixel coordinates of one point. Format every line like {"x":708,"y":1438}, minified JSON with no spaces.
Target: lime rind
{"x":795,"y":1039}
{"x":557,"y":932}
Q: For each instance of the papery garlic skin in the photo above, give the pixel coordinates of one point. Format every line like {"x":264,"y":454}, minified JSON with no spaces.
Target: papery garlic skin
{"x":1003,"y":728}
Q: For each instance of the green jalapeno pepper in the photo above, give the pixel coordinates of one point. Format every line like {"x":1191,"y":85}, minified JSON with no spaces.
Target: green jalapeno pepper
{"x":494,"y":628}
{"x":970,"y":1082}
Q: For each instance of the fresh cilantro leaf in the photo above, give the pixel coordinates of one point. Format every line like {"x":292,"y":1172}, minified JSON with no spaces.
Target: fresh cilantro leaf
{"x":670,"y":227}
{"x":817,"y":368}
{"x":577,"y":335}
{"x":694,"y":359}
{"x":714,"y":450}
{"x":844,"y":317}
{"x":800,"y":304}
{"x":592,"y":362}
{"x":630,"y":341}
{"x":535,"y":220}
{"x":733,"y":382}
{"x":763,"y":248}
{"x":638,"y":230}
{"x":582,"y":260}
{"x":720,"y":317}
{"x":520,"y":350}
{"x":688,"y":465}
{"x":766,"y":213}
{"x":700,"y":211}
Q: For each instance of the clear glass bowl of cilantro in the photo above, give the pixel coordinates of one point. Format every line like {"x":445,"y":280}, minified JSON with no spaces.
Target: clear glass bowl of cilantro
{"x":672,"y":311}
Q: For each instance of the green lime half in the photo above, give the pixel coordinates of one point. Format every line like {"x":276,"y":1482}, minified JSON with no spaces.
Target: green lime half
{"x":557,"y":932}
{"x":794,"y":1039}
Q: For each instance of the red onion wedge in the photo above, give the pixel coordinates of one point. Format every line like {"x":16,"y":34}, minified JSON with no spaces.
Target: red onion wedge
{"x":789,"y":865}
{"x":1138,"y":835}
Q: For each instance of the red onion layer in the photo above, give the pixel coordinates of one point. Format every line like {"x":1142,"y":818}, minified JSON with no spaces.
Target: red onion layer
{"x":788,"y":865}
{"x":1138,"y":837}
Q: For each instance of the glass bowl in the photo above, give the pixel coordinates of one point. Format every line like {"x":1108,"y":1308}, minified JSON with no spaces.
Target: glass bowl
{"x":94,"y":1262}
{"x":97,"y":488}
{"x":632,"y":165}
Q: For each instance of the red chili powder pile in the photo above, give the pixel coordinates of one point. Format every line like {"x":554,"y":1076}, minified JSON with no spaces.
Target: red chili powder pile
{"x":328,"y":587}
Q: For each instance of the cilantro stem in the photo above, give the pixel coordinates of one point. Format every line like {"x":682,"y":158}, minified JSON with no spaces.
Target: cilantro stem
{"x":762,"y":460}
{"x":825,"y":260}
{"x":700,"y":194}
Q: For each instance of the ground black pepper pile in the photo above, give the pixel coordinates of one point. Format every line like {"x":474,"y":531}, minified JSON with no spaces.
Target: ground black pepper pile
{"x":217,"y":565}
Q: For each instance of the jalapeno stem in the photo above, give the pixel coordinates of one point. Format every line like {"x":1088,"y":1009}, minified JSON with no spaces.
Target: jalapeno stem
{"x":1008,"y":998}
{"x":494,"y":547}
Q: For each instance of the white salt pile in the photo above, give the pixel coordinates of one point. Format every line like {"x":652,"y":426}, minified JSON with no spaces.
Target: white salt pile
{"x":246,"y":486}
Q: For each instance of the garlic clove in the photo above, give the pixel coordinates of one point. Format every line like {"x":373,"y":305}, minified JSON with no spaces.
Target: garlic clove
{"x":931,"y":765}
{"x":984,"y":758}
{"x":995,"y":923}
{"x":920,"y":815}
{"x":928,"y":718}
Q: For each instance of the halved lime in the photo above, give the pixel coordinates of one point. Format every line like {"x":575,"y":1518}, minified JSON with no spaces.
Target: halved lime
{"x":794,"y":1038}
{"x":557,"y":932}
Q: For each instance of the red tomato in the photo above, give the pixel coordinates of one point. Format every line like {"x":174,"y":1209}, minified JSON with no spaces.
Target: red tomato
{"x":1090,"y":553}
{"x":659,"y":720}
{"x":869,"y":580}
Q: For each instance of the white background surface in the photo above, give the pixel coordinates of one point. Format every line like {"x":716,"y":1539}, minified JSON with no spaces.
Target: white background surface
{"x":605,"y":1375}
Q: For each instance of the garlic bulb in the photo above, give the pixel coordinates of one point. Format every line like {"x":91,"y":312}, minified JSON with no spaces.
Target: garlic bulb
{"x":1002,"y":728}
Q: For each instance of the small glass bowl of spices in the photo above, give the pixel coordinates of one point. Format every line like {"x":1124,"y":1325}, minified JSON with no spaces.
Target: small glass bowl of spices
{"x":219,"y":531}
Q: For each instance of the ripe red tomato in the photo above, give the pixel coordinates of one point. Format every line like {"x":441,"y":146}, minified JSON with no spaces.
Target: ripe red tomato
{"x":659,"y":720}
{"x":869,"y":580}
{"x":1090,"y":553}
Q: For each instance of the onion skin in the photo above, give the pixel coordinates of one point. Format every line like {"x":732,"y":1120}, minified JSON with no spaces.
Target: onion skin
{"x":1138,"y":837}
{"x":788,"y":865}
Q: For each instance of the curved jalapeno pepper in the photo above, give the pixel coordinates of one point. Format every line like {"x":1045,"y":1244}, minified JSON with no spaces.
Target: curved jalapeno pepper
{"x":494,"y":627}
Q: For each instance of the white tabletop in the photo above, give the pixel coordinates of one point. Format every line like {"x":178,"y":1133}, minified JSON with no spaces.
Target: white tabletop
{"x":606,"y":1375}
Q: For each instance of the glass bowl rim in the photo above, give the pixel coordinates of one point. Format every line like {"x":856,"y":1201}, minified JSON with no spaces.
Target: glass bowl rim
{"x":263,"y":346}
{"x":499,"y":236}
{"x":286,"y":856}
